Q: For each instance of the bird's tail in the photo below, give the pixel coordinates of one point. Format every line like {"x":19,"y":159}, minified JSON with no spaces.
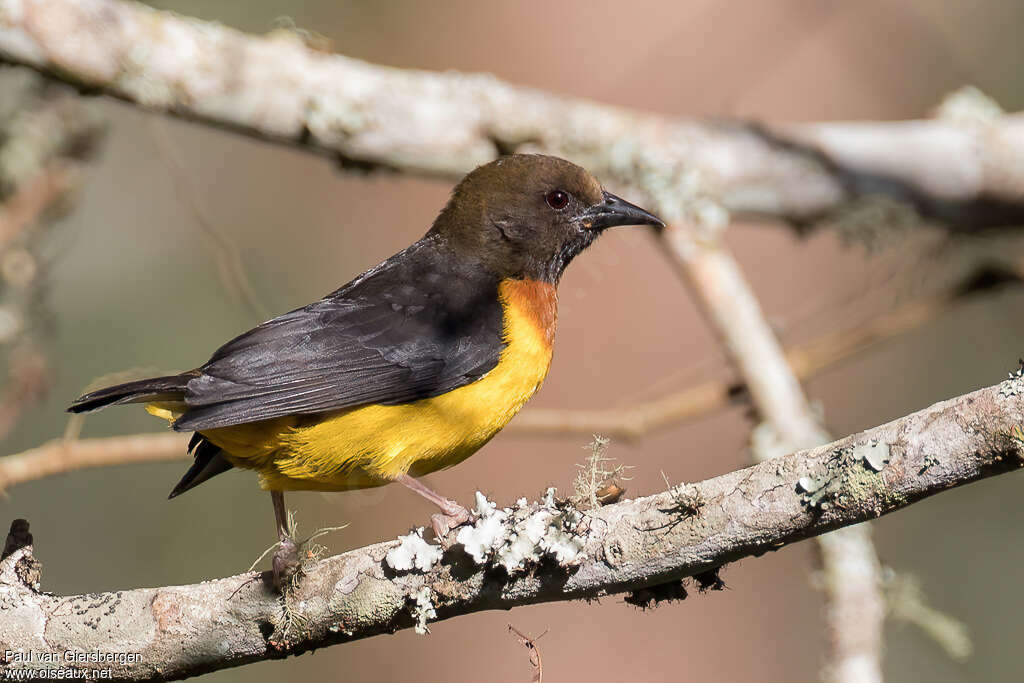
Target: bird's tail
{"x":170,"y":388}
{"x":209,"y":462}
{"x":165,"y":396}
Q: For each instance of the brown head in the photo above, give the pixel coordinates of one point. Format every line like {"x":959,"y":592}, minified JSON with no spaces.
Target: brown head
{"x":527,"y":216}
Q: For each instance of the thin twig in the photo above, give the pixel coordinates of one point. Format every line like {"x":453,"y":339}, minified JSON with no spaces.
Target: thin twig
{"x":536,"y":665}
{"x":806,"y":361}
{"x":32,"y":199}
{"x":59,"y":456}
{"x":226,"y":253}
{"x":28,"y":379}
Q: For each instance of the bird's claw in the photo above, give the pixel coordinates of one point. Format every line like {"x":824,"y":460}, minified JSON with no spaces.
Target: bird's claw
{"x":284,"y":562}
{"x":443,"y":523}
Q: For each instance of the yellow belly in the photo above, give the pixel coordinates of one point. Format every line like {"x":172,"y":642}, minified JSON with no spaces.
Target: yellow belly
{"x":372,"y":445}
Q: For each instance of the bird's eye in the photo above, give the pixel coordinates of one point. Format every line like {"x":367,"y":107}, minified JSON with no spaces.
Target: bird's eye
{"x":557,"y":199}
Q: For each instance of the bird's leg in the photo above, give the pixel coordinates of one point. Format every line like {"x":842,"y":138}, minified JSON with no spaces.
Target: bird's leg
{"x":452,"y":514}
{"x":286,"y":558}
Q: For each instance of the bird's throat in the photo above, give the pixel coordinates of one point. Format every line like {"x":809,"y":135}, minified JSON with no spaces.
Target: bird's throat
{"x":534,"y":301}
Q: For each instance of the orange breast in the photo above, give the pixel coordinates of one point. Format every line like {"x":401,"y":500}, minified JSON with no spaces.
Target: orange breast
{"x":534,"y":300}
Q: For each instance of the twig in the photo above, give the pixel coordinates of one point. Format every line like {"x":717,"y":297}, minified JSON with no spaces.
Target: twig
{"x":28,"y":378}
{"x":187,"y":630}
{"x":906,"y":602}
{"x":531,"y":645}
{"x":32,"y":199}
{"x":229,"y":260}
{"x":59,"y":456}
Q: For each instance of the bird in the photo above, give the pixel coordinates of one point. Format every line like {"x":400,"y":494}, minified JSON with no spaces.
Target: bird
{"x":409,"y":368}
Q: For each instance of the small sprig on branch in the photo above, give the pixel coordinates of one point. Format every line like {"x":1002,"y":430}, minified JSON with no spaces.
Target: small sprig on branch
{"x":599,"y":482}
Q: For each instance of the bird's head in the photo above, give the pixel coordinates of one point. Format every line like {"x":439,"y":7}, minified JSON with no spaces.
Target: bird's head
{"x":529,"y":215}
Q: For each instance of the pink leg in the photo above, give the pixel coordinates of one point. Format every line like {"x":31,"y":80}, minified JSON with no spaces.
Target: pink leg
{"x":452,"y":514}
{"x":286,"y":558}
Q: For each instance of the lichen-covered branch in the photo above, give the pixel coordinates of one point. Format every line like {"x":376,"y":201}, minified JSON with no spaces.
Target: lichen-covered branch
{"x":529,"y":553}
{"x":278,"y":88}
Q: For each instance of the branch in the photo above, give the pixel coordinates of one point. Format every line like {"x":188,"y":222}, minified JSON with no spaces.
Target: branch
{"x":277,"y":88}
{"x":46,"y":136}
{"x":174,"y":632}
{"x":60,"y":456}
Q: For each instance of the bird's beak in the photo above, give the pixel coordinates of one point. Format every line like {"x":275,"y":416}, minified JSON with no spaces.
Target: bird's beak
{"x":617,"y":211}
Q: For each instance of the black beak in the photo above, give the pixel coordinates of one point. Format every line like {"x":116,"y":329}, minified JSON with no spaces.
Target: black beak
{"x":616,"y":211}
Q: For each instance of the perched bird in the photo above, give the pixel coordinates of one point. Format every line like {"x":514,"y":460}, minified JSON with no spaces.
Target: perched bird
{"x":407,"y":369}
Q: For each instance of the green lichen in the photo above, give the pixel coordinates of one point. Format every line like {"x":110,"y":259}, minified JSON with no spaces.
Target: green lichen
{"x":372,"y":600}
{"x":854,"y":479}
{"x":865,"y":486}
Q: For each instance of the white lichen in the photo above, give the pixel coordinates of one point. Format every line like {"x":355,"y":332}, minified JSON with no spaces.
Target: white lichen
{"x":524,"y":545}
{"x":520,"y":537}
{"x":1014,"y":385}
{"x":874,"y":454}
{"x":565,"y":545}
{"x":488,"y":532}
{"x":422,"y":609}
{"x":412,"y":552}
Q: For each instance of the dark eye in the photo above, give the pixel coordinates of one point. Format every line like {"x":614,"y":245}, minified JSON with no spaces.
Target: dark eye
{"x":557,"y":199}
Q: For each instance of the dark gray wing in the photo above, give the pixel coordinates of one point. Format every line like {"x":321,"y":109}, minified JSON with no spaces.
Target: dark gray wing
{"x":415,"y":327}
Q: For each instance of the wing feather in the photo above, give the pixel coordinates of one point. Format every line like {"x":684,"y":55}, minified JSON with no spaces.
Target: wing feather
{"x":415,"y":327}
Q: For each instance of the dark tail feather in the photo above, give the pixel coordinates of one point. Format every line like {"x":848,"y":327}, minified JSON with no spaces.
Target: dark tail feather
{"x":144,"y":390}
{"x":209,"y":463}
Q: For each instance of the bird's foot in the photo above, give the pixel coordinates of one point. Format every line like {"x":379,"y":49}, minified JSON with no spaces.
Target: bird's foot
{"x":452,"y":515}
{"x":285,"y":563}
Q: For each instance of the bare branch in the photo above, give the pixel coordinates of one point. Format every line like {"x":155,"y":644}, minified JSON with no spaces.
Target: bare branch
{"x":30,"y":201}
{"x":536,"y":665}
{"x":28,"y":379}
{"x":57,"y":457}
{"x":46,"y":132}
{"x":278,"y":88}
{"x":186,"y":630}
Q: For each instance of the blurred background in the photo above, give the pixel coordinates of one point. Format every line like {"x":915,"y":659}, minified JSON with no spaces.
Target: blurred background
{"x":131,"y":282}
